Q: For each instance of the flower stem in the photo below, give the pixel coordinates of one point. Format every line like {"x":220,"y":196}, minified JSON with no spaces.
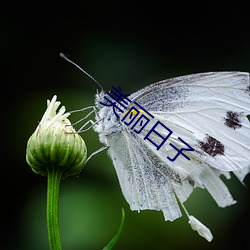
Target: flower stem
{"x":54,"y":177}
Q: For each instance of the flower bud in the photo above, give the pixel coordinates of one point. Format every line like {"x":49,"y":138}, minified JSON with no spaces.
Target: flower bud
{"x":55,"y":144}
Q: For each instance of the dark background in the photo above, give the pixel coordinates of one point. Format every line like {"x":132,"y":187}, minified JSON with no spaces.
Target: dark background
{"x":121,"y":43}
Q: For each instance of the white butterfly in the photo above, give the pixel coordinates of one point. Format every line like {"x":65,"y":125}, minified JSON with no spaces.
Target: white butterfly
{"x":209,"y":112}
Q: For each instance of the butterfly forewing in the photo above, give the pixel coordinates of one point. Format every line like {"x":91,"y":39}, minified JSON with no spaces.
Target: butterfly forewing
{"x":208,"y":110}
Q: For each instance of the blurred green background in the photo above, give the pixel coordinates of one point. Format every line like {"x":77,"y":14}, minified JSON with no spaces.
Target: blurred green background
{"x":122,"y":44}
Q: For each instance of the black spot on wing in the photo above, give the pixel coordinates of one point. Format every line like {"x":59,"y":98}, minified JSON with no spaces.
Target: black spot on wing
{"x":212,"y":146}
{"x":233,"y":119}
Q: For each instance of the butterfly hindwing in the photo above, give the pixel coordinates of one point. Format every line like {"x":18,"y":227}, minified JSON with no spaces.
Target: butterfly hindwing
{"x":145,"y":180}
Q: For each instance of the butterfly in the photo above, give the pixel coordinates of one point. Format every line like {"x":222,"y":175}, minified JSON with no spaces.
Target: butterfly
{"x":191,"y":130}
{"x":208,"y":111}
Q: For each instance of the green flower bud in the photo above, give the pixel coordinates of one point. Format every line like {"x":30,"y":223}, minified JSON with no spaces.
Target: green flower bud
{"x":55,"y":144}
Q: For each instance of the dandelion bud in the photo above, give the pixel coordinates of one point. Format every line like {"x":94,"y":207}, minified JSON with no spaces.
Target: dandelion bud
{"x":55,"y":143}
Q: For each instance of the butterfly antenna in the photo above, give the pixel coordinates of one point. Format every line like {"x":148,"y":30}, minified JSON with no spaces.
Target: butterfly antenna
{"x":68,"y":60}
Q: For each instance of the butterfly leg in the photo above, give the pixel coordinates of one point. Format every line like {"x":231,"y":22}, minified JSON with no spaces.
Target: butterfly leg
{"x":96,"y":152}
{"x":91,"y":155}
{"x":86,"y":116}
{"x":81,"y":129}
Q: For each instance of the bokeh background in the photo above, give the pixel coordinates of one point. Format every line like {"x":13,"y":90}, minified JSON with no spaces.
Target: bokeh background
{"x":121,"y":43}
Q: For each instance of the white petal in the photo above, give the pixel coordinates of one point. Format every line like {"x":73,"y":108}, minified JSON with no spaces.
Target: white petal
{"x":51,"y":114}
{"x":200,"y":228}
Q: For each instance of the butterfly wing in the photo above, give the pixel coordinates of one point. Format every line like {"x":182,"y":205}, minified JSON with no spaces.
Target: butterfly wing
{"x":137,"y":167}
{"x":208,"y":111}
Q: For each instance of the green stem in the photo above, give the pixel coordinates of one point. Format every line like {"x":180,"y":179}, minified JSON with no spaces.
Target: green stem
{"x":54,"y":177}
